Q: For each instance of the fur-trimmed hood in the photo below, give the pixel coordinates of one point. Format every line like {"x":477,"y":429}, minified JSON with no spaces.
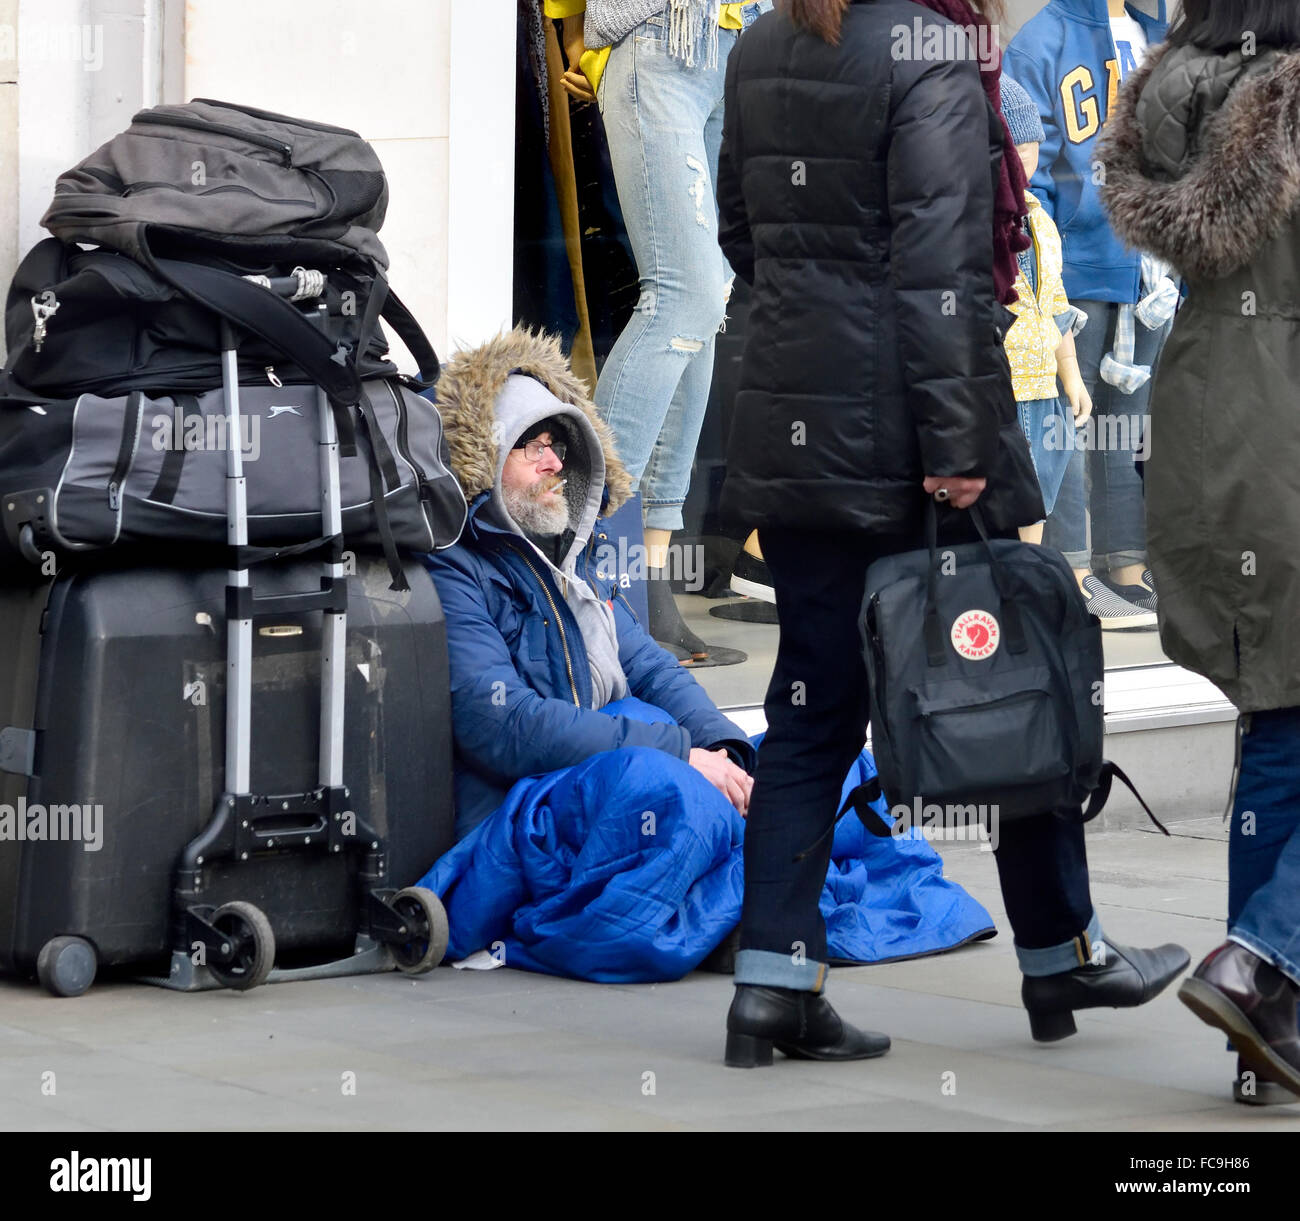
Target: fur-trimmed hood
{"x":1202,"y":156}
{"x":468,"y":391}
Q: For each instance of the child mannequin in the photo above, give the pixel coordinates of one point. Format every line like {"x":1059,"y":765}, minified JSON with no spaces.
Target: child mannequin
{"x":1071,"y":58}
{"x":1040,"y":345}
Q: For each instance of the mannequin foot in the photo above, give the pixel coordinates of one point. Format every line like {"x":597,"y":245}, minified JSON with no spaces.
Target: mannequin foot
{"x":666,"y":623}
{"x":668,"y":629}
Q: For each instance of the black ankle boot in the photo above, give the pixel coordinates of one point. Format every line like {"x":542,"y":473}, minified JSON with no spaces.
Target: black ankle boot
{"x":1123,"y":978}
{"x":802,"y":1024}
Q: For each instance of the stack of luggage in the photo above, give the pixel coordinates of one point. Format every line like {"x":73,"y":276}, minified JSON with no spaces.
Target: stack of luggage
{"x":225,"y":737}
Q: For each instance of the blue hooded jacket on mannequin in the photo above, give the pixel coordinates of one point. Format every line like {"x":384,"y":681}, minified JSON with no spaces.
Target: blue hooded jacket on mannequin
{"x":1066,"y":61}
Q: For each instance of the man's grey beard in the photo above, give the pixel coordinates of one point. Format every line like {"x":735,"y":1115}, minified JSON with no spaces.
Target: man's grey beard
{"x":534,"y":515}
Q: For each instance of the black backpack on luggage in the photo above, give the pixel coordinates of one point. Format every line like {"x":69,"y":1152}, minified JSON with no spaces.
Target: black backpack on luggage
{"x":197,"y":211}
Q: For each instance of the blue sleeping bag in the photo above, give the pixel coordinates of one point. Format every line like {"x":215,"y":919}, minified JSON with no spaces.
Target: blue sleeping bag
{"x":628,"y":868}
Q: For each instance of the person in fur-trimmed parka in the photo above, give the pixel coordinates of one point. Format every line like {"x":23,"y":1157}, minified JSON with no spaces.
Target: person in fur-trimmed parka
{"x":1202,"y":160}
{"x":539,"y":634}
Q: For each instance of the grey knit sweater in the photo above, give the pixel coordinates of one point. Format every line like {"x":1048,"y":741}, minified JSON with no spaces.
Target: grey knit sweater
{"x":609,"y":20}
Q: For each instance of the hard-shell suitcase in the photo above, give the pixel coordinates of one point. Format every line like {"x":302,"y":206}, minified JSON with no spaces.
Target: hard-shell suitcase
{"x":130,"y":722}
{"x":177,"y":801}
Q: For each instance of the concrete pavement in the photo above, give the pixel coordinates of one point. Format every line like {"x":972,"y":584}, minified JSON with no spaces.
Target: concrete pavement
{"x":507,"y":1049}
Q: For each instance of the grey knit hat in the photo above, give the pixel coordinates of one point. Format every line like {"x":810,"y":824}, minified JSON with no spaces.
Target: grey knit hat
{"x":1021,"y":114}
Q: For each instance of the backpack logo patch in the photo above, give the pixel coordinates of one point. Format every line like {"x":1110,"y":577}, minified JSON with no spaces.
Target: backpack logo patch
{"x":976,"y":635}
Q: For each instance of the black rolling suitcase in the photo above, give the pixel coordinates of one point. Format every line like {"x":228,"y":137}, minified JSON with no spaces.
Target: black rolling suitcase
{"x":203,"y":774}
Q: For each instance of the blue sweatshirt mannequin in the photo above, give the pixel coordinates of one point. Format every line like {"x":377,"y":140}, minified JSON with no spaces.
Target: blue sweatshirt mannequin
{"x":1071,"y":59}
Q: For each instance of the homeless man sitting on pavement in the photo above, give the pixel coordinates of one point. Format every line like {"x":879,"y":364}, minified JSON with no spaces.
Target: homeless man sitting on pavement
{"x":600,"y":793}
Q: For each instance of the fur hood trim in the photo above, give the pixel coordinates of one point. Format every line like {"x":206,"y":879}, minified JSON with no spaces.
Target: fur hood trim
{"x":467,"y":393}
{"x":1236,"y":194}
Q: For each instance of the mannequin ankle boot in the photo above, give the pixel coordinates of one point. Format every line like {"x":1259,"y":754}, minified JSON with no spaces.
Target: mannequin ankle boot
{"x":666,"y":624}
{"x":801,"y":1024}
{"x":1123,"y":978}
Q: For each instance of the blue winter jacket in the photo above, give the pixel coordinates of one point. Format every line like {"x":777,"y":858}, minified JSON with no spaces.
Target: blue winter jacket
{"x":1066,"y":60}
{"x":520,"y":682}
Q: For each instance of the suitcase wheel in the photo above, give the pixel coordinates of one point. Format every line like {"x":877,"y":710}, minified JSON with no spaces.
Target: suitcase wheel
{"x":425,"y":917}
{"x":252,"y":946}
{"x":66,"y":965}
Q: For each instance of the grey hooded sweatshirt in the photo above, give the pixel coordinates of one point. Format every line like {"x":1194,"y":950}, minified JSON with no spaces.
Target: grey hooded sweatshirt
{"x":523,"y":402}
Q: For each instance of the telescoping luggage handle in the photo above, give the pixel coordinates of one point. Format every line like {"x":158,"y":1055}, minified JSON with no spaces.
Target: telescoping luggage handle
{"x":242,"y":607}
{"x":245,"y":822}
{"x":241,"y":951}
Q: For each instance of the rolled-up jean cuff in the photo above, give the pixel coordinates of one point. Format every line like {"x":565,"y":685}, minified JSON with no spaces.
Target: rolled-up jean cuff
{"x":1121,"y":559}
{"x":661,"y":516}
{"x":1078,"y":559}
{"x":1288,"y":968}
{"x":1054,"y":959}
{"x":772,"y":970}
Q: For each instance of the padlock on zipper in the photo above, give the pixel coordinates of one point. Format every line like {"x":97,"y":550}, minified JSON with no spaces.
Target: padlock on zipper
{"x":44,"y":306}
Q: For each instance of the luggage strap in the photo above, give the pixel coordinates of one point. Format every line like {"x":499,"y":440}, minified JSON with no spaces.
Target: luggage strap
{"x":250,"y":307}
{"x":381,"y":461}
{"x":329,"y":548}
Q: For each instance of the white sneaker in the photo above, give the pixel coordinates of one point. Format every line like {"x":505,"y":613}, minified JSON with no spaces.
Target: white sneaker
{"x":1116,"y":613}
{"x":752,"y":578}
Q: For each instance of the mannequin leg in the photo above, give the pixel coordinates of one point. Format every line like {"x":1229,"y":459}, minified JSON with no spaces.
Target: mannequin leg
{"x":655,"y":117}
{"x":665,"y":130}
{"x":1118,"y":511}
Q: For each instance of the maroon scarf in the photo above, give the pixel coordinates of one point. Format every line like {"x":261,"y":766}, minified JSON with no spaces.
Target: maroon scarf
{"x":1009,"y":207}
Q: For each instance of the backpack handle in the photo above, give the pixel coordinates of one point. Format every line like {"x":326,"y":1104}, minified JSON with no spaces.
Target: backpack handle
{"x":934,"y":637}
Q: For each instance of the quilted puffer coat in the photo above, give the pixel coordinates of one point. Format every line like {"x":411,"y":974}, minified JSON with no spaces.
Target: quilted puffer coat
{"x":856,"y":189}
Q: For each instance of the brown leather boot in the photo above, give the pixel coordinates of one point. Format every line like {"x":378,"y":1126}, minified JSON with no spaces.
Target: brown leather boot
{"x":1254,"y":1004}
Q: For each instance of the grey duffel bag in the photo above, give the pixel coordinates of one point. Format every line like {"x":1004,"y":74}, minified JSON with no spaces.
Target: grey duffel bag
{"x":140,"y":471}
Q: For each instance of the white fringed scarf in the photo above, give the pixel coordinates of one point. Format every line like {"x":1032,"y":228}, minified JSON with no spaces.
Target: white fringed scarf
{"x":693,"y":31}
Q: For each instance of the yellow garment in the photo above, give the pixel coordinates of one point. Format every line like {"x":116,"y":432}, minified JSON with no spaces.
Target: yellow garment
{"x":1032,"y":341}
{"x":593,"y":63}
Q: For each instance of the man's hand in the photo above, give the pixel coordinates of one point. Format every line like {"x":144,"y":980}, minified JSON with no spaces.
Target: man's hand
{"x":574,"y":81}
{"x":962,"y":493}
{"x":717,"y":768}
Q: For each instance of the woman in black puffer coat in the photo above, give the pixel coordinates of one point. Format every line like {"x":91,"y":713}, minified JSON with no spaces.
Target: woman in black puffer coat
{"x":856,"y":192}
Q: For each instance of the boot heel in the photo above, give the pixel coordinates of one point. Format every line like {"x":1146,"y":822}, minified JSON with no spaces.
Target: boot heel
{"x":1049,"y":1027}
{"x":747,"y":1051}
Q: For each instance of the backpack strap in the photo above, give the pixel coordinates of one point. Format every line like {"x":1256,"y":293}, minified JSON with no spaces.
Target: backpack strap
{"x":1109,"y":772}
{"x":409,"y":331}
{"x":264,"y":314}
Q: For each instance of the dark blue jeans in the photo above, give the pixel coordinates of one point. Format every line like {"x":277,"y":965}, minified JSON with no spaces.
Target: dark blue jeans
{"x":817,"y":712}
{"x":1264,"y":848}
{"x":1100,"y":480}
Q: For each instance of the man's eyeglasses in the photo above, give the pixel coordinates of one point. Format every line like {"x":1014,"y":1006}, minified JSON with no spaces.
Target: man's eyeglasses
{"x":533,"y":450}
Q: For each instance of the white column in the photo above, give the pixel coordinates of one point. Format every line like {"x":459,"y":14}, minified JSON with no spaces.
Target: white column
{"x":480,"y":172}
